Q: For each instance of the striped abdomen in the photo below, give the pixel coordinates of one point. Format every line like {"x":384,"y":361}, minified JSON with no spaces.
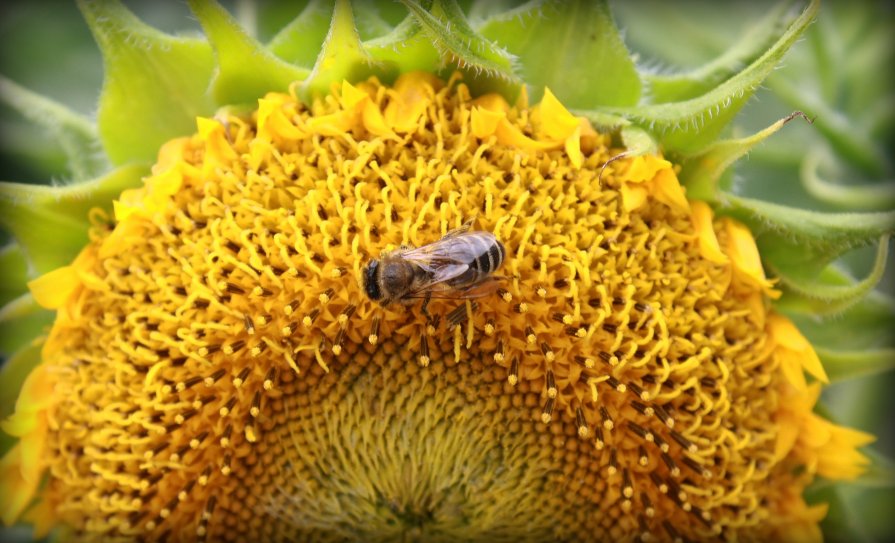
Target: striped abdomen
{"x":482,"y":252}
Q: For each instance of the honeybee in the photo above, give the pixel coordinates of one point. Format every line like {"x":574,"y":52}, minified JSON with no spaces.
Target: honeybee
{"x":458,"y":266}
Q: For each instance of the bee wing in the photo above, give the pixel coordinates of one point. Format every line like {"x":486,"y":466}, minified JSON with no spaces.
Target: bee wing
{"x":484,"y":288}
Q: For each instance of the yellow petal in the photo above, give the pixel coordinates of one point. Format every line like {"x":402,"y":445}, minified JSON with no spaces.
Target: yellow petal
{"x":484,"y":121}
{"x":375,"y":122}
{"x":15,"y":491}
{"x":787,"y":433}
{"x":509,"y":134}
{"x":573,"y":148}
{"x":788,"y":336}
{"x":701,"y":216}
{"x":352,"y":96}
{"x":633,"y":196}
{"x":556,"y":121}
{"x":42,"y":517}
{"x":644,"y":168}
{"x":740,"y":247}
{"x":51,"y":290}
{"x":668,"y":190}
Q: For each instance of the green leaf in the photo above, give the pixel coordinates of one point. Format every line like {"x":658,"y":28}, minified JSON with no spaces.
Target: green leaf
{"x":300,"y":41}
{"x":572,"y":47}
{"x":246,"y":70}
{"x":843,"y":365}
{"x":675,"y":87}
{"x":702,"y":172}
{"x":75,"y":134}
{"x":821,"y":236}
{"x":869,"y":197}
{"x":342,"y":57}
{"x":688,"y":126}
{"x":155,"y":84}
{"x":459,"y":44}
{"x":830,"y":291}
{"x":21,"y":320}
{"x":13,"y":273}
{"x":50,"y":223}
{"x":405,"y":49}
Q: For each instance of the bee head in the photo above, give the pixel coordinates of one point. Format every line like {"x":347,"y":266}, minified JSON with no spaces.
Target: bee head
{"x":371,"y":285}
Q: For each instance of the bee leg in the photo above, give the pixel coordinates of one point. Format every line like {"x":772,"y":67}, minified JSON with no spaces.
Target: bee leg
{"x":425,"y":306}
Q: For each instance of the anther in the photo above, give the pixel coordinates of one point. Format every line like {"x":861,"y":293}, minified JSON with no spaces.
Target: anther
{"x":659,"y":482}
{"x":499,"y":353}
{"x":641,"y":431}
{"x":562,"y":318}
{"x":684,"y":442}
{"x":249,"y":325}
{"x":432,"y":324}
{"x":642,"y":394}
{"x":607,"y":420}
{"x":258,"y":349}
{"x":672,"y":465}
{"x":269,"y":379}
{"x":309,"y":319}
{"x":227,"y":407}
{"x":230,"y":244}
{"x":642,"y":307}
{"x":584,"y":361}
{"x":189,"y":383}
{"x":648,"y":508}
{"x":613,"y":461}
{"x":513,"y":376}
{"x":505,"y":295}
{"x":233,"y":288}
{"x":594,"y":302}
{"x":521,"y":307}
{"x":289,"y":329}
{"x":208,"y":349}
{"x":346,"y":313}
{"x":581,"y":422}
{"x":611,"y":328}
{"x":616,"y":384}
{"x":326,"y":296}
{"x":255,"y":410}
{"x":240,"y":379}
{"x":458,"y":316}
{"x":225,"y":437}
{"x":530,"y":336}
{"x":663,"y":445}
{"x":290,"y":308}
{"x":700,"y":470}
{"x":547,"y":414}
{"x":560,"y":283}
{"x":337,"y":343}
{"x":707,"y":382}
{"x":608,"y":358}
{"x":264,"y":320}
{"x":548,"y":352}
{"x":212,"y":379}
{"x":234,"y":347}
{"x":225,"y":465}
{"x":642,"y":457}
{"x":675,"y":536}
{"x":373,"y":337}
{"x":489,"y":327}
{"x":642,"y":408}
{"x":664,"y":416}
{"x":260,"y":291}
{"x":424,"y":351}
{"x":338,"y":272}
{"x":541,"y":291}
{"x":598,"y":438}
{"x":551,"y":385}
{"x":627,"y":486}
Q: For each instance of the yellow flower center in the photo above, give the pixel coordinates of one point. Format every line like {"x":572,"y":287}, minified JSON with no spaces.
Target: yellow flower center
{"x":220,"y":373}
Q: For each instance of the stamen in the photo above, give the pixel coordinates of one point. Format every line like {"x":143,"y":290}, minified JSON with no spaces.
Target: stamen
{"x":547,"y":414}
{"x":240,"y":379}
{"x":326,"y":296}
{"x":607,"y":420}
{"x":581,"y":422}
{"x":672,"y":465}
{"x":586,"y":362}
{"x":530,"y":336}
{"x":613,"y":461}
{"x":373,"y":338}
{"x":548,"y":352}
{"x":684,"y":442}
{"x":513,"y":376}
{"x":499,"y":353}
{"x":424,"y":351}
{"x":551,"y":385}
{"x":309,"y":319}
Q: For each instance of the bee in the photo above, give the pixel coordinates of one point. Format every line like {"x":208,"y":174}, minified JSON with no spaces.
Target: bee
{"x":458,"y":266}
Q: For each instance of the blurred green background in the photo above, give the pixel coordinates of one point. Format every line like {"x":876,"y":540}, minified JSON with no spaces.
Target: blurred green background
{"x":840,"y":74}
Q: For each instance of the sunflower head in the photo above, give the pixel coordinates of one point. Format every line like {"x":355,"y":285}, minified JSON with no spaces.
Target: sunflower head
{"x":615,"y":347}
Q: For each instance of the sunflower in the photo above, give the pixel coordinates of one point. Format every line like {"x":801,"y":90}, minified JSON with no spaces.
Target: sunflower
{"x":198,"y":355}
